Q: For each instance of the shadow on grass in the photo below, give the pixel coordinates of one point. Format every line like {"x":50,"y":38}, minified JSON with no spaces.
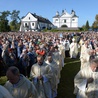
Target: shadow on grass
{"x":66,"y":86}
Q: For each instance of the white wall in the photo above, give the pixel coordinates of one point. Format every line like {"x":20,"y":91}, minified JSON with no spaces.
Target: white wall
{"x":75,"y":22}
{"x":69,"y":20}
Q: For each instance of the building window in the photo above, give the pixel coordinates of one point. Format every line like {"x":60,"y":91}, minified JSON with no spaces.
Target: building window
{"x":26,"y":25}
{"x":32,"y":24}
{"x":65,"y":21}
{"x":56,"y":19}
{"x":73,"y":19}
{"x":29,"y":18}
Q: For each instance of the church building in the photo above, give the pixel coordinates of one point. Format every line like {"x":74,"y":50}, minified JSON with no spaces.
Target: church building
{"x":65,"y":19}
{"x":33,"y":22}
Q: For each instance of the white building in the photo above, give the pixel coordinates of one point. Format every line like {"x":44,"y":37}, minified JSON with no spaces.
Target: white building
{"x":33,"y":22}
{"x":65,"y":19}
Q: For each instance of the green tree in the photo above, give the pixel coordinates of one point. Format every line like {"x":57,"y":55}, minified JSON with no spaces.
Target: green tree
{"x":15,"y":23}
{"x":87,"y":25}
{"x":4,"y":23}
{"x":95,"y":24}
{"x":4,"y":27}
{"x":4,"y":15}
{"x":83,"y":28}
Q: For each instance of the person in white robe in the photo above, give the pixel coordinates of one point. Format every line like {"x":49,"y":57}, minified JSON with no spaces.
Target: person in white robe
{"x":61,"y":49}
{"x":18,"y":85}
{"x":85,"y":54}
{"x":73,"y":49}
{"x":86,"y":81}
{"x":4,"y":93}
{"x":41,"y":75}
{"x":55,"y":69}
{"x":57,"y":58}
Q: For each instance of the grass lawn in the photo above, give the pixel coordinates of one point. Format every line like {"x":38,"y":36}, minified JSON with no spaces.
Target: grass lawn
{"x":65,"y":88}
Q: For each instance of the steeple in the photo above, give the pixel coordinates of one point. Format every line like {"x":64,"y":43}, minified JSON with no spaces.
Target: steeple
{"x":57,"y":13}
{"x":72,"y":12}
{"x":62,"y":11}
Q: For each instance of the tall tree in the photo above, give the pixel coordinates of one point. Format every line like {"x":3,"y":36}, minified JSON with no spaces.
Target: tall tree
{"x":87,"y":25}
{"x":95,"y":24}
{"x":4,"y":26}
{"x":4,"y":15}
{"x":15,"y":23}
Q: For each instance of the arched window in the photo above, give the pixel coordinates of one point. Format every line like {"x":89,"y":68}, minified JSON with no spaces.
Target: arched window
{"x":32,"y":24}
{"x":26,"y":24}
{"x":64,"y":20}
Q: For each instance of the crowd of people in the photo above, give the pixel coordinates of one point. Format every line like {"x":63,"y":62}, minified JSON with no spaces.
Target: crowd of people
{"x":40,"y":58}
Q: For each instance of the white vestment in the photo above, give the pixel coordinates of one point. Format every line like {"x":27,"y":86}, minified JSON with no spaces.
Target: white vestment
{"x":4,"y":93}
{"x":84,"y":56}
{"x":23,"y":89}
{"x":73,"y":50}
{"x":55,"y":78}
{"x":80,"y":82}
{"x":44,"y":85}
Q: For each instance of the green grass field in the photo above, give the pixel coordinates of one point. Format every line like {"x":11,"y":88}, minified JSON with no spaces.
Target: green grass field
{"x":65,"y":88}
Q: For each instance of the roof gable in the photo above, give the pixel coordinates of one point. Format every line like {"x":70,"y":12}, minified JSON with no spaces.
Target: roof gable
{"x":34,"y":17}
{"x":65,"y":14}
{"x":29,"y":17}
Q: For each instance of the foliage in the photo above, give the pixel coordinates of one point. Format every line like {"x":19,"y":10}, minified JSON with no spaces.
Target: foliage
{"x":4,"y":25}
{"x":15,"y":23}
{"x":4,"y":22}
{"x":87,"y":26}
{"x":4,"y":15}
{"x":95,"y":24}
{"x":3,"y":80}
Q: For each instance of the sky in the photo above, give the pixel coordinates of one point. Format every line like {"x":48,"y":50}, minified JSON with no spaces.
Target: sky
{"x":85,"y":9}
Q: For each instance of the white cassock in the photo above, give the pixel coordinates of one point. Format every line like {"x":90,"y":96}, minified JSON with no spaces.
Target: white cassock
{"x":84,"y":56}
{"x":80,"y":81}
{"x":73,"y":50}
{"x":55,"y":78}
{"x":4,"y":93}
{"x":62,"y":53}
{"x":43,"y":86}
{"x":23,"y":89}
{"x":57,"y":58}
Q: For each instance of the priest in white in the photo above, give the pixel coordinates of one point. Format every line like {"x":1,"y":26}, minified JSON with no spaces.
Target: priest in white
{"x":86,"y":81}
{"x":41,"y":75}
{"x":18,"y":85}
{"x":55,"y":69}
{"x":85,"y":54}
{"x":73,"y":49}
{"x":4,"y":93}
